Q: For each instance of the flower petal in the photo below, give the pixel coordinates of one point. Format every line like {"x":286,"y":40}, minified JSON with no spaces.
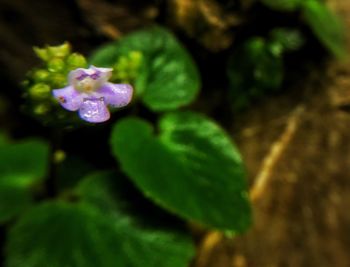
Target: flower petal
{"x":76,"y":75}
{"x":68,"y":97}
{"x":116,"y":95}
{"x":94,"y":110}
{"x":103,"y":73}
{"x":89,"y":79}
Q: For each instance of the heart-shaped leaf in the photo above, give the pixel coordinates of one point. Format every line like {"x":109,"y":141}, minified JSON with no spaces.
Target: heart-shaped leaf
{"x":192,"y":168}
{"x":84,"y":234}
{"x":168,"y":77}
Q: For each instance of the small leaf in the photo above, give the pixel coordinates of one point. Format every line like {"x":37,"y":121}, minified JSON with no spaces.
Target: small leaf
{"x":327,"y":27}
{"x":78,"y":235}
{"x":254,"y":70}
{"x":191,"y":169}
{"x":283,"y":5}
{"x":168,"y":78}
{"x":21,"y":166}
{"x":286,"y":39}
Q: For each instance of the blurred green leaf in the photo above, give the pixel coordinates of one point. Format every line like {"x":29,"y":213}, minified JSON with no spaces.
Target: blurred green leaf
{"x":327,"y":27}
{"x":168,"y":77}
{"x":13,"y":200}
{"x":21,"y":166}
{"x":283,"y":5}
{"x":99,"y":189}
{"x":71,"y":170}
{"x":253,"y":70}
{"x":3,"y":138}
{"x":78,"y":235}
{"x":148,"y":246}
{"x":284,"y":40}
{"x":192,"y":168}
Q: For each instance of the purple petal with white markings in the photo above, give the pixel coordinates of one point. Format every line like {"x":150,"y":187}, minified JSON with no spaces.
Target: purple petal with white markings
{"x":116,"y":95}
{"x":68,"y":97}
{"x":94,"y":110}
{"x":77,"y":75}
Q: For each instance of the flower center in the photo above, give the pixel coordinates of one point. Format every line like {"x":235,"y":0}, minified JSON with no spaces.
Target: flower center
{"x":86,"y":84}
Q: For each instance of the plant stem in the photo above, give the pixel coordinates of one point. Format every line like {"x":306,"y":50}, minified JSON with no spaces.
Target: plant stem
{"x":51,"y":182}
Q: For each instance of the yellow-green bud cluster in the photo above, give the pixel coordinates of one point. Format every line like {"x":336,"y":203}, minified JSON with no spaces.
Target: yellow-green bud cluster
{"x":58,"y":61}
{"x":127,"y":67}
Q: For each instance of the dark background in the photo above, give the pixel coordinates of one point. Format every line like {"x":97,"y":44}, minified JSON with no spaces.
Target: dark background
{"x":296,"y":143}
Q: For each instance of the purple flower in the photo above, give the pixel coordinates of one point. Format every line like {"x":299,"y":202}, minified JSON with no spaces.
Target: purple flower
{"x":90,"y":92}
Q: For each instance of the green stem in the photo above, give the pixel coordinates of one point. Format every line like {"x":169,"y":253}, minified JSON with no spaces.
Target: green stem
{"x":51,"y":182}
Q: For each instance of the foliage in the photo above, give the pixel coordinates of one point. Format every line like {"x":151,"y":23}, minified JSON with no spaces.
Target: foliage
{"x":326,"y":26}
{"x":58,"y":61}
{"x":92,"y":237}
{"x":256,"y":67}
{"x":191,"y":155}
{"x":76,"y":199}
{"x":22,"y":166}
{"x":167,"y":78}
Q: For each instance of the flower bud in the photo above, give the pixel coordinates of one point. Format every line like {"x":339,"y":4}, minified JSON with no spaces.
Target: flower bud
{"x":136,"y":58}
{"x":39,"y":91}
{"x":41,"y":75}
{"x":76,"y":60}
{"x":62,"y":50}
{"x":55,"y":64}
{"x":57,"y":80}
{"x":42,"y":53}
{"x":41,"y":109}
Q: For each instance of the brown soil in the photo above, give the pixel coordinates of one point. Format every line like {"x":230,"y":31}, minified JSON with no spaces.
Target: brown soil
{"x":297,"y":151}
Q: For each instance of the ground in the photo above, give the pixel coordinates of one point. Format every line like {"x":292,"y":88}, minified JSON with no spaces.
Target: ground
{"x":297,"y":149}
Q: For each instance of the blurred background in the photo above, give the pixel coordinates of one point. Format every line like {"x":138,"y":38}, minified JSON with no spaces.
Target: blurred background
{"x":287,"y":109}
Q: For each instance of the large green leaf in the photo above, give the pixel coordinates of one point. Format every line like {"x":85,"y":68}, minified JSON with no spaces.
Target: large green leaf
{"x":168,"y":77}
{"x":147,"y":244}
{"x":79,"y":235}
{"x":21,"y":166}
{"x":326,"y":26}
{"x":192,"y":168}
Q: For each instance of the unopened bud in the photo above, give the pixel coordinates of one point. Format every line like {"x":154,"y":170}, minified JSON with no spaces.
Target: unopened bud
{"x":39,"y":91}
{"x":56,"y":65}
{"x":41,"y":109}
{"x":62,"y":50}
{"x":76,"y":60}
{"x":41,"y":75}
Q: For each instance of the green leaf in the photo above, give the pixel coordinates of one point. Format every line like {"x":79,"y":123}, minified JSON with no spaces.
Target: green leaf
{"x":283,"y":5}
{"x":327,"y":27}
{"x":168,"y":78}
{"x":78,"y":235}
{"x":3,"y":139}
{"x":285,"y":40}
{"x":13,"y":200}
{"x":103,"y":190}
{"x":148,"y":246}
{"x":71,"y":170}
{"x":21,"y":166}
{"x":192,"y":168}
{"x":254,"y":70}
